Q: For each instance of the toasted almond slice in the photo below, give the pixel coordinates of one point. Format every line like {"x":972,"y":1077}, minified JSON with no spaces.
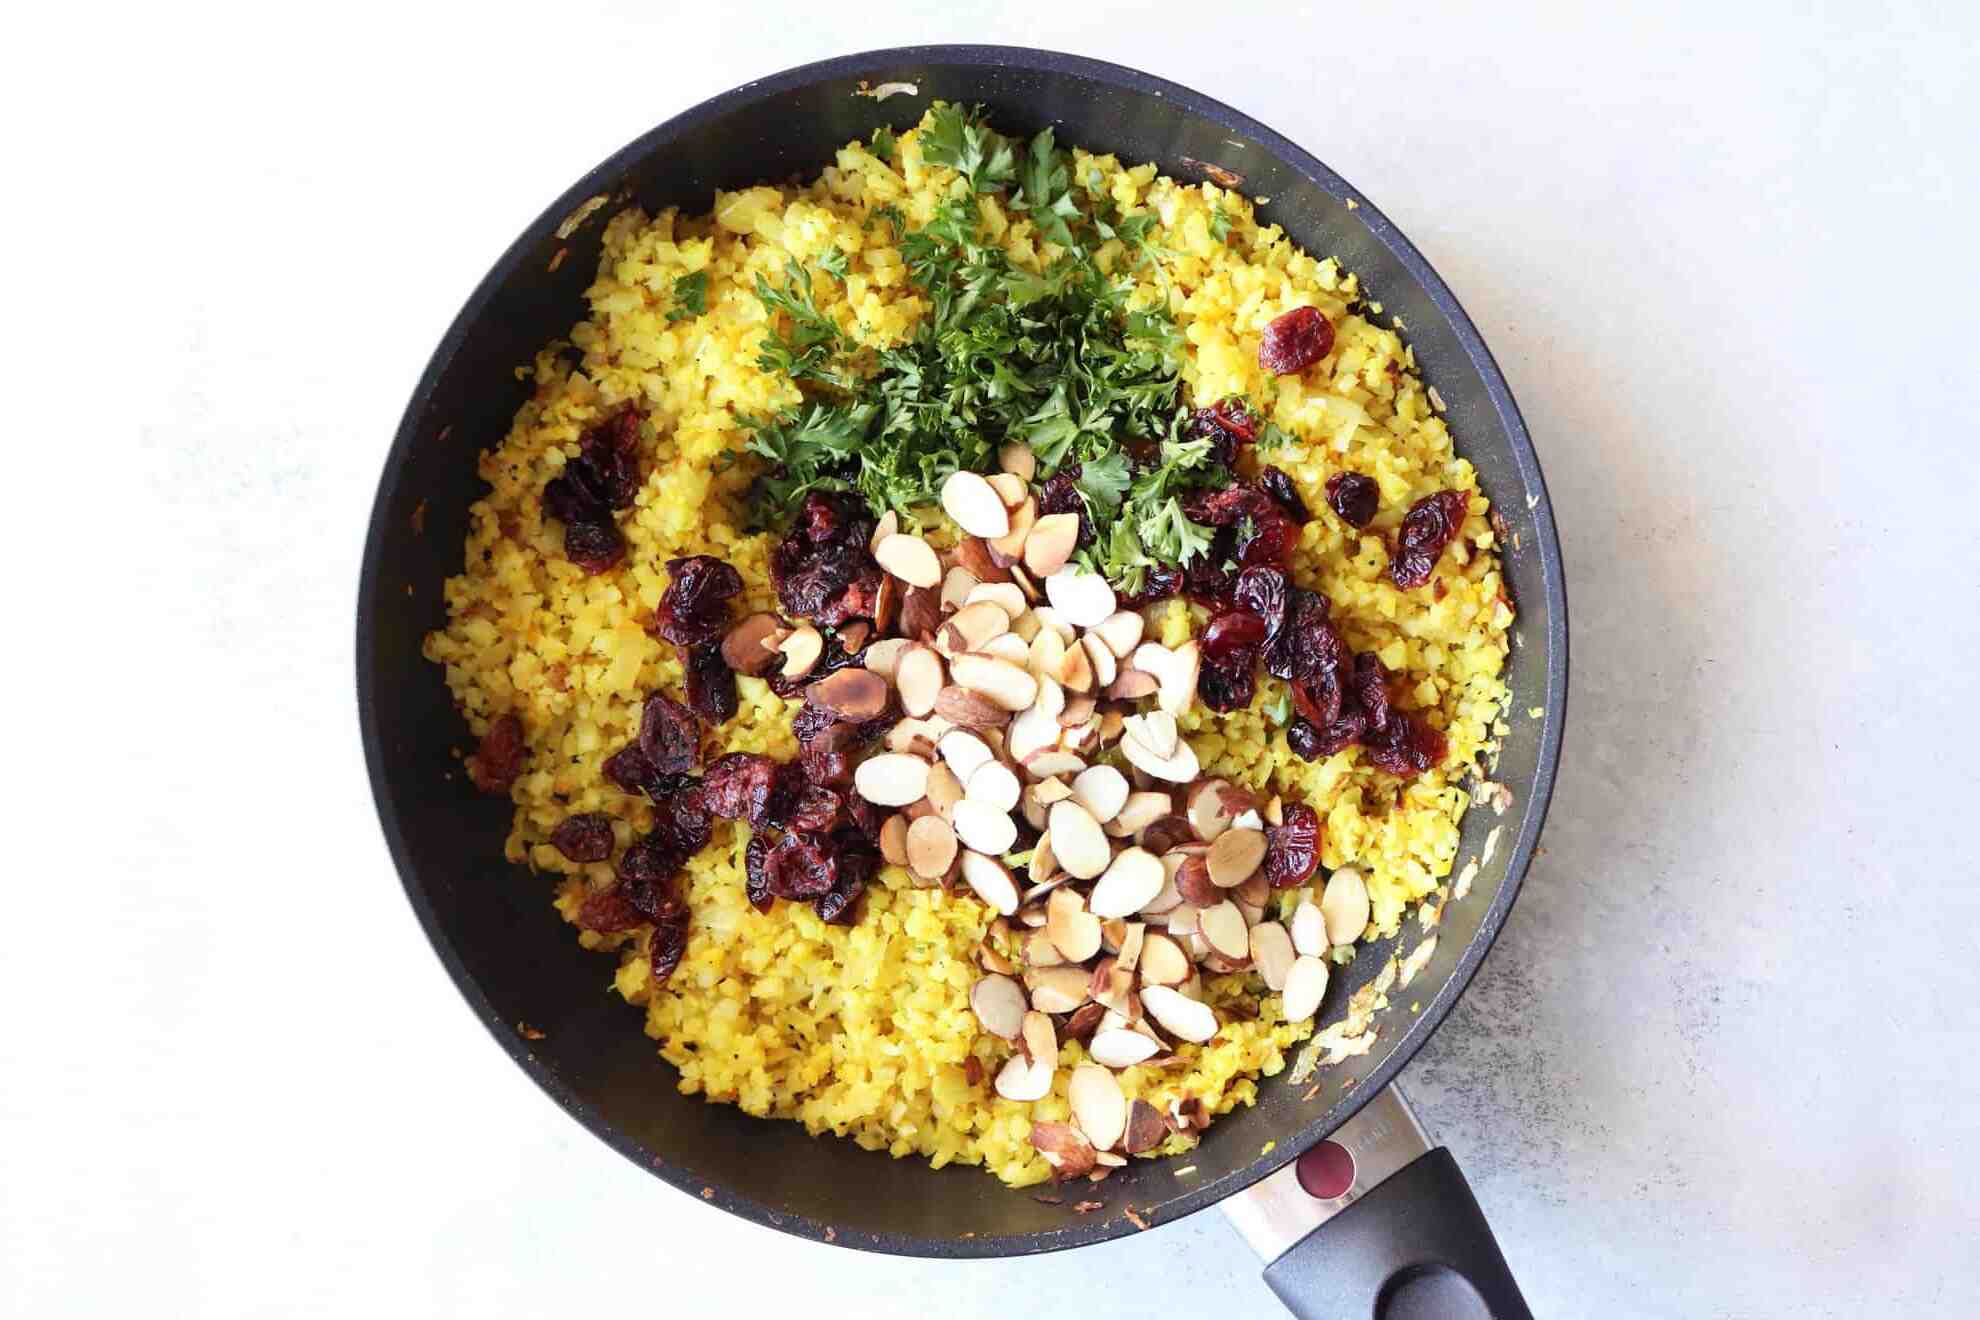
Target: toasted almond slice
{"x":971,"y":626}
{"x":1057,"y":989}
{"x":801,"y":651}
{"x":990,"y":880}
{"x":1138,"y":811}
{"x":1017,"y":459}
{"x":1078,"y":842}
{"x":1048,"y":791}
{"x":1131,"y":879}
{"x":1083,"y":598}
{"x":1007,"y":646}
{"x":1211,"y":809}
{"x":910,"y":559}
{"x":969,"y":710}
{"x":892,"y":779}
{"x":1194,"y":884}
{"x":921,"y":612}
{"x":1085,"y":1020}
{"x":912,"y":735}
{"x":1162,"y":961}
{"x":1004,"y":595}
{"x":852,"y":636}
{"x":957,"y":583}
{"x":1255,"y":892}
{"x":1179,"y":684}
{"x":1081,"y":739}
{"x":1179,"y":768}
{"x":1121,"y":1047}
{"x":1010,"y":489}
{"x":1168,"y":899}
{"x":884,"y":656}
{"x":743,"y":647}
{"x":1168,"y":832}
{"x":994,"y":786}
{"x":1112,"y":932}
{"x":1064,"y":1147}
{"x":854,"y":695}
{"x":1178,"y":1014}
{"x":931,"y":847}
{"x":1098,"y":1104}
{"x":1113,"y":986}
{"x":1249,"y":819}
{"x":1000,"y":680}
{"x":1121,"y":631}
{"x":1132,"y":685}
{"x":1306,"y":986}
{"x":1224,"y":927}
{"x":1076,"y":669}
{"x":1235,"y":856}
{"x":1025,"y":626}
{"x":1039,"y":951}
{"x":1077,"y":711}
{"x":1006,"y":549}
{"x":918,"y":675}
{"x":1145,"y":1129}
{"x":886,"y":603}
{"x":1272,"y":953}
{"x":1055,"y":621}
{"x":1044,"y":865}
{"x":1048,"y":651}
{"x":1031,"y":733}
{"x":1033,"y":812}
{"x":1052,"y":761}
{"x":992,"y":961}
{"x":1040,"y":1038}
{"x":1024,"y":1081}
{"x":1344,"y":903}
{"x":1050,"y":545}
{"x":890,"y":522}
{"x":975,"y":505}
{"x":1075,"y":932}
{"x":1102,"y":790}
{"x":1111,"y":724}
{"x":1025,"y":584}
{"x":963,"y":752}
{"x":1051,"y":700}
{"x":983,"y":827}
{"x":893,"y":841}
{"x":1127,"y":949}
{"x":1309,"y":929}
{"x":999,"y":1005}
{"x":1156,"y":730}
{"x":1105,"y":666}
{"x":944,"y":790}
{"x":974,"y":554}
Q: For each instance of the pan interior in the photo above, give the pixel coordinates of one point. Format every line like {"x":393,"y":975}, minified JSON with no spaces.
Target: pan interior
{"x":514,"y":958}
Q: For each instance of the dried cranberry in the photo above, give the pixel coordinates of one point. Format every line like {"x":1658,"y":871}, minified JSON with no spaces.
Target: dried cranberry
{"x":1158,"y":583}
{"x":584,"y":838}
{"x":646,"y":872}
{"x":710,"y":683}
{"x":810,"y":721}
{"x":756,"y":875}
{"x":683,"y":822}
{"x":1431,"y":524}
{"x":1284,"y":494}
{"x":1307,"y":643}
{"x":1207,"y":582}
{"x":1342,"y":734}
{"x":1371,"y":689}
{"x":821,"y":519}
{"x":1304,"y":739}
{"x":745,"y":786}
{"x":1228,"y":425}
{"x":1405,"y":746}
{"x":668,"y":942}
{"x":1267,"y":540}
{"x":1319,"y":697}
{"x":609,"y":912}
{"x":567,"y":502}
{"x":1353,"y":497}
{"x":1292,"y":849}
{"x":801,"y":867}
{"x":1262,"y":591}
{"x":629,"y":768}
{"x":868,"y":818}
{"x":817,"y":810}
{"x":607,"y":465}
{"x":1225,"y":506}
{"x":669,"y":735}
{"x":1295,"y":341}
{"x":1227,"y":686}
{"x":841,"y":906}
{"x":498,"y":758}
{"x":594,"y":546}
{"x":822,"y":569}
{"x":695,"y":608}
{"x":1232,"y":634}
{"x":827,"y":757}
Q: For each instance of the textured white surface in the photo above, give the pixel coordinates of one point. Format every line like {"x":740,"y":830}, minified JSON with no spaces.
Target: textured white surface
{"x":1722,"y":1062}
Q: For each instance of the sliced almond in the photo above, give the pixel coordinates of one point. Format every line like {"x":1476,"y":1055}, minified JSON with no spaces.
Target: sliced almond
{"x":1039,"y":951}
{"x":1052,"y":619}
{"x":1111,"y":724}
{"x":1098,"y":1104}
{"x":990,"y":880}
{"x":801,"y":651}
{"x":1024,"y":627}
{"x":1178,"y":1014}
{"x":967,"y":709}
{"x":1076,"y":668}
{"x":1121,"y":1047}
{"x":975,"y":505}
{"x":1075,"y":932}
{"x":983,"y":827}
{"x":1306,"y":986}
{"x":971,"y":626}
{"x":964,"y":753}
{"x":1064,"y":1147}
{"x":1047,"y":652}
{"x":1235,"y":856}
{"x":1105,"y":666}
{"x":931,"y":847}
{"x":1127,"y":947}
{"x":921,"y":612}
{"x":1194,"y":884}
{"x":854,"y":695}
{"x":1024,"y":1081}
{"x":886,"y":603}
{"x":974,"y":554}
{"x":1145,"y":1129}
{"x":1210,"y":812}
{"x":1175,"y":671}
{"x":743,"y":648}
{"x":1052,"y":761}
{"x":1162,"y":960}
{"x":1031,"y":733}
{"x":1084,"y":599}
{"x":1075,"y":710}
{"x":1102,"y":790}
{"x":1178,"y":768}
{"x":910,"y":559}
{"x":1017,"y":459}
{"x":1000,"y":680}
{"x":1040,"y":1038}
{"x":1051,"y":543}
{"x":918,"y":675}
{"x":1005,"y":550}
{"x":1010,"y":488}
{"x":1255,"y":892}
{"x":1132,"y":685}
{"x":1081,"y":739}
{"x":1130,"y":880}
{"x":1138,"y":811}
{"x":911,"y":735}
{"x":890,"y":522}
{"x":992,"y":961}
{"x":1005,"y":595}
{"x":893,"y":841}
{"x":892,"y":779}
{"x":1309,"y":929}
{"x":884,"y":656}
{"x":957,"y":583}
{"x":1112,"y":985}
{"x":1224,"y":927}
{"x":1156,"y":731}
{"x":1025,"y":584}
{"x":1051,"y":700}
{"x":1344,"y":903}
{"x":999,"y":1005}
{"x":852,"y":636}
{"x":994,"y":786}
{"x":944,"y":790}
{"x":1272,"y":953}
{"x":1057,"y":989}
{"x":1168,"y":899}
{"x":1007,"y":646}
{"x":1166,"y":832}
{"x":1048,"y":791}
{"x":1121,"y":631}
{"x":1079,"y":844}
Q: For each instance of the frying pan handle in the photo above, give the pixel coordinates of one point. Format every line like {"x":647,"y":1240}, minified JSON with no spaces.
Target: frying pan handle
{"x":1372,"y":1222}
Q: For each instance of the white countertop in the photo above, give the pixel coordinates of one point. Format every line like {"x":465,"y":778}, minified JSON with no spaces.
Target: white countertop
{"x":1722,"y":1062}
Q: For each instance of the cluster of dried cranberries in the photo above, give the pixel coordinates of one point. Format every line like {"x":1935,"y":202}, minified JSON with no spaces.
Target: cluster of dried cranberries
{"x":601,"y":480}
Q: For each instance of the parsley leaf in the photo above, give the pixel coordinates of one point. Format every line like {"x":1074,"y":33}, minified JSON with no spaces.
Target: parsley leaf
{"x":1220,"y":223}
{"x":833,"y":263}
{"x":809,"y":351}
{"x":964,"y":142}
{"x":883,"y":143}
{"x":690,"y":296}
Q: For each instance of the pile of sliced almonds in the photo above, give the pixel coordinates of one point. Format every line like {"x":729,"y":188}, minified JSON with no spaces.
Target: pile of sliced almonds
{"x":1017,"y":671}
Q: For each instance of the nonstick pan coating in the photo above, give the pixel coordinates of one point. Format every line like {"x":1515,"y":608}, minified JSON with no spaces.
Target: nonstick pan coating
{"x":514,"y":959}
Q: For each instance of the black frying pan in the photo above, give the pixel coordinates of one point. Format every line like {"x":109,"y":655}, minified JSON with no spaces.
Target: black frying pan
{"x":515,"y":960}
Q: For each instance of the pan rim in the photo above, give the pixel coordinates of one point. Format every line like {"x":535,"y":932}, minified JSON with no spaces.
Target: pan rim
{"x":605,"y":178}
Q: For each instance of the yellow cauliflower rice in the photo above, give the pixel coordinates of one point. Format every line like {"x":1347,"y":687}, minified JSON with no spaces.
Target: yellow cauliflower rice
{"x":866,"y":1030}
